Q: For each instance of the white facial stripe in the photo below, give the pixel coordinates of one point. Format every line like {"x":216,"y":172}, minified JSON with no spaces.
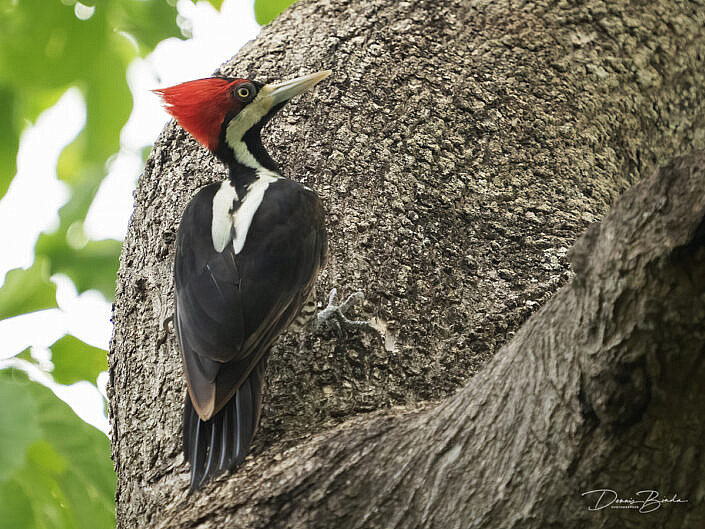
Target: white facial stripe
{"x":246,"y":212}
{"x":238,"y":224}
{"x":244,"y":121}
{"x":222,"y":223}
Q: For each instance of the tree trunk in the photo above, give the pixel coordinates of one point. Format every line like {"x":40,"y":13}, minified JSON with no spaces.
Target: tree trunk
{"x":460,"y":148}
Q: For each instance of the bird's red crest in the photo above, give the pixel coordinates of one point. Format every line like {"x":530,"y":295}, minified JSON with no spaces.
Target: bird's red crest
{"x":200,"y":106}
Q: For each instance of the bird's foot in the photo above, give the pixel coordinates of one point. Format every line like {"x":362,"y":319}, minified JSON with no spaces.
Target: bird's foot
{"x":166,"y":320}
{"x":333,"y":317}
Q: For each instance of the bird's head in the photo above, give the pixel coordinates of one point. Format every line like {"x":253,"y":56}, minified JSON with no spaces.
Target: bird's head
{"x":226,"y":115}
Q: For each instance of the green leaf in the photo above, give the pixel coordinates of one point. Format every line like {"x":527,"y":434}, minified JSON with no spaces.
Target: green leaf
{"x":19,"y":427}
{"x":44,"y":50}
{"x":148,"y":22}
{"x":26,"y":355}
{"x":27,"y":290}
{"x":215,"y":3}
{"x":15,"y":507}
{"x":93,"y":265}
{"x":63,"y":479}
{"x":268,"y":10}
{"x":9,"y":138}
{"x":108,"y":101}
{"x":75,"y":360}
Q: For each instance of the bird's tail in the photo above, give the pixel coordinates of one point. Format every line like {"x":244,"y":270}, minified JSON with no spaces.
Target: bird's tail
{"x":222,"y":442}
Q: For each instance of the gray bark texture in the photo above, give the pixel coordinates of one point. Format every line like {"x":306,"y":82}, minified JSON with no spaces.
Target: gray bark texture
{"x":460,"y":148}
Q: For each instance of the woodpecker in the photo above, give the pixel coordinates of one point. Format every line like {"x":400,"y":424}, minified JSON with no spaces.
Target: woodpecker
{"x":248,"y":250}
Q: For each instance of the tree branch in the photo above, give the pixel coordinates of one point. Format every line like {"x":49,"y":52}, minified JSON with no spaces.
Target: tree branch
{"x":599,"y":389}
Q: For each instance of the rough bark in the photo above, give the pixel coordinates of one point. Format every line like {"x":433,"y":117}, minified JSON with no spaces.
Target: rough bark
{"x":601,"y":388}
{"x":460,"y":149}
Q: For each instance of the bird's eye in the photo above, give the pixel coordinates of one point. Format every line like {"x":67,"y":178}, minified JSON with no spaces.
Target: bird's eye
{"x":244,"y":93}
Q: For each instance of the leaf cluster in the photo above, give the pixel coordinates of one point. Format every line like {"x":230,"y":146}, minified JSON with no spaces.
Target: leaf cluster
{"x":55,"y":470}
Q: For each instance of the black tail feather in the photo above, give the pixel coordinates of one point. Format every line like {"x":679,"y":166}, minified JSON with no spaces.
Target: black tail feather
{"x":245,"y":418}
{"x":198,"y":450}
{"x":226,"y":440}
{"x":223,"y":442}
{"x":215,"y":434}
{"x":189,"y":432}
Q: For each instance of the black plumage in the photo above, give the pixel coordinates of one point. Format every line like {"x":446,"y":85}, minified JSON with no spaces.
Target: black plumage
{"x":236,"y":294}
{"x":231,"y":307}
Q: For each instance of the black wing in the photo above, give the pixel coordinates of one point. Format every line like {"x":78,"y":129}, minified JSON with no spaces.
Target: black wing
{"x":231,"y":307}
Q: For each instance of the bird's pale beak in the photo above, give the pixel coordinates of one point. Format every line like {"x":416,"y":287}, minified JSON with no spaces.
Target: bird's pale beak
{"x":282,"y":92}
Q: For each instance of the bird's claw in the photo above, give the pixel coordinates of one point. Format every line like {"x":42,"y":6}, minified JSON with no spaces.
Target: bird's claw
{"x":333,"y":317}
{"x":161,"y":339}
{"x":169,"y":318}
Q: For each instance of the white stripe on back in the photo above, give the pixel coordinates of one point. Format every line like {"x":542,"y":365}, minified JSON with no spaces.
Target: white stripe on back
{"x":246,"y":212}
{"x":222,"y":223}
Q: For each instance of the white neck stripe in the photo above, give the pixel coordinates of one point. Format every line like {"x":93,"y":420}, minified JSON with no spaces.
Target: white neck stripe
{"x":244,"y":121}
{"x":228,"y":225}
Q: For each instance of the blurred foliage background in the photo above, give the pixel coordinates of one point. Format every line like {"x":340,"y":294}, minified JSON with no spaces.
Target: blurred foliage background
{"x":55,"y":470}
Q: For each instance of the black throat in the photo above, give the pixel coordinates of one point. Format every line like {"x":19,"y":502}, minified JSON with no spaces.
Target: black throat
{"x":242,"y":174}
